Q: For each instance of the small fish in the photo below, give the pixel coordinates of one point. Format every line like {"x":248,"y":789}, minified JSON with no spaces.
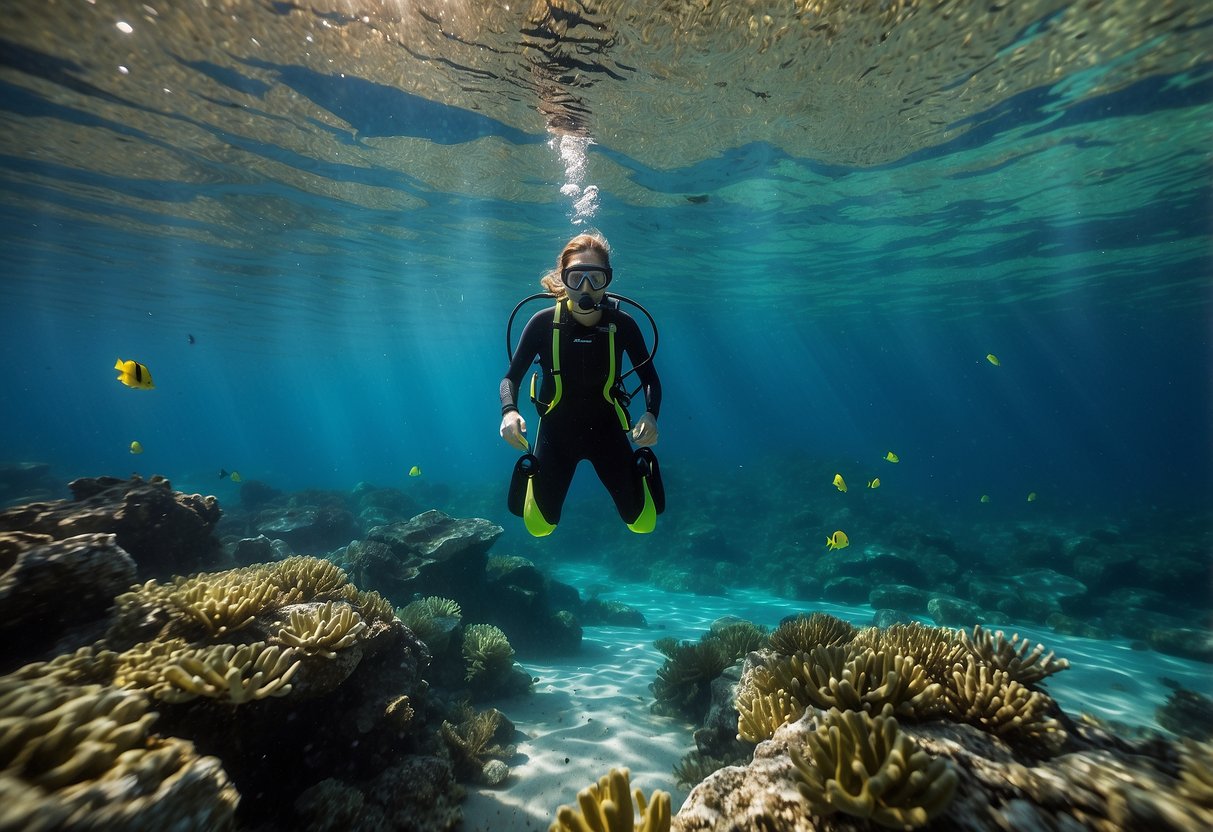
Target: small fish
{"x":191,"y":337}
{"x":892,"y":457}
{"x":1031,"y":496}
{"x":222,"y":474}
{"x":415,"y":471}
{"x":985,"y":498}
{"x":235,"y":476}
{"x":134,"y":374}
{"x":874,"y":483}
{"x":839,"y":483}
{"x":838,"y":540}
{"x":993,"y":359}
{"x":136,"y":448}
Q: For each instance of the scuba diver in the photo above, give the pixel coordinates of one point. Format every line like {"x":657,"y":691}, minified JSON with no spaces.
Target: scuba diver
{"x":579,"y":345}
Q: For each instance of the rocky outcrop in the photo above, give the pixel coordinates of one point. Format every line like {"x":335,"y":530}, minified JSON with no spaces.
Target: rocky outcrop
{"x":165,"y":531}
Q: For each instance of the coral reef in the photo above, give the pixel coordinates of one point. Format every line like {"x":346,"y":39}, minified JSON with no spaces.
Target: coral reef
{"x":323,"y":630}
{"x":84,"y":757}
{"x":801,"y":634}
{"x":433,"y":620}
{"x":684,"y":681}
{"x":1013,"y":655}
{"x":488,"y":653}
{"x":230,"y":674}
{"x":990,"y":699}
{"x":864,"y":766}
{"x":477,"y":739}
{"x":607,"y":807}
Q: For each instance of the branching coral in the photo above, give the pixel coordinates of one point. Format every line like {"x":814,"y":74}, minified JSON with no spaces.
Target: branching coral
{"x":1196,"y":772}
{"x":994,"y":702}
{"x":373,"y":606}
{"x":88,"y":665}
{"x":937,"y":649}
{"x":848,"y":678}
{"x":487,"y":651}
{"x":323,"y":630}
{"x":83,"y":757}
{"x":607,"y":807}
{"x":230,"y":673}
{"x":801,"y":634}
{"x":225,"y":601}
{"x":432,"y":620}
{"x":472,"y":741}
{"x":1013,"y":656}
{"x":864,"y":766}
{"x":54,"y":735}
{"x":737,"y":639}
{"x":303,"y":578}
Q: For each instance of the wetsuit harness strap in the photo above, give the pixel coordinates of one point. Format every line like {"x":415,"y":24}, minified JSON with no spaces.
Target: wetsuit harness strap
{"x":608,"y":386}
{"x":556,"y":316}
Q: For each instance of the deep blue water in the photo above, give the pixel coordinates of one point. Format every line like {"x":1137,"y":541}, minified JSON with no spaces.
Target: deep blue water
{"x":808,"y":310}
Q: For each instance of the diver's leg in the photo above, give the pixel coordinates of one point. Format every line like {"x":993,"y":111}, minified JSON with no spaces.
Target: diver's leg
{"x":614,"y":462}
{"x":557,"y":462}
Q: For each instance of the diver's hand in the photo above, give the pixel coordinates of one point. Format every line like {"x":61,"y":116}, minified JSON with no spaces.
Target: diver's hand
{"x":644,"y":432}
{"x":513,"y":430}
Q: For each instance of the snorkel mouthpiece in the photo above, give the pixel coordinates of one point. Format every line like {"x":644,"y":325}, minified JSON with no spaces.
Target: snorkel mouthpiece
{"x":586,"y":303}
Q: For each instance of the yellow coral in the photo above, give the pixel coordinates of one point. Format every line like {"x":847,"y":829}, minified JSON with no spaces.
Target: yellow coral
{"x":935,"y":648}
{"x":302,"y":578}
{"x":760,"y":714}
{"x":323,"y":630}
{"x":230,"y":673}
{"x":801,"y":634}
{"x":54,"y":735}
{"x":224,"y":602}
{"x":864,"y":766}
{"x":374,"y":607}
{"x":993,"y":701}
{"x":1012,"y":656}
{"x":607,"y":807}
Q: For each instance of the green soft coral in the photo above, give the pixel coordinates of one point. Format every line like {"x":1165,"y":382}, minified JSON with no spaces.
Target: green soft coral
{"x":864,"y":766}
{"x":487,"y":651}
{"x":607,"y":807}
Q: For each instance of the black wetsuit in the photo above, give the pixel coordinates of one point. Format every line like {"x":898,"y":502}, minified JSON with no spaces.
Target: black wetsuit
{"x":584,"y":423}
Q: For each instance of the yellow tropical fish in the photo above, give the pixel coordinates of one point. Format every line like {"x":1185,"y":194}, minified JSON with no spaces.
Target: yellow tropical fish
{"x":136,"y":448}
{"x":985,"y":498}
{"x":993,"y":359}
{"x":838,"y":540}
{"x":235,"y":476}
{"x":892,"y":457}
{"x":1031,"y":496}
{"x":839,"y":483}
{"x":875,"y":483}
{"x":134,"y":374}
{"x":415,"y":471}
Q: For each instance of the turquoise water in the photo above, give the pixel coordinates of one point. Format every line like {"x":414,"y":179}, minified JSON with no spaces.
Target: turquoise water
{"x":344,"y":253}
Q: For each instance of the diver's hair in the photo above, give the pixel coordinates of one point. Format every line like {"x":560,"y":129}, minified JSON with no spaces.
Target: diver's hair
{"x":590,"y":241}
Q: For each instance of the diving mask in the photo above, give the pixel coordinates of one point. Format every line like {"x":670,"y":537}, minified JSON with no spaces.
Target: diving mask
{"x":574,"y":277}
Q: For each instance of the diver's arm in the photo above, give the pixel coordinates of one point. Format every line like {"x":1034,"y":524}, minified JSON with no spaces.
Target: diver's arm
{"x":513,"y":426}
{"x":644,"y":431}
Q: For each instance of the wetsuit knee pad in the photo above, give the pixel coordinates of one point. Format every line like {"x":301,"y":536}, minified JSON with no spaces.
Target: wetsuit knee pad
{"x":649,"y":472}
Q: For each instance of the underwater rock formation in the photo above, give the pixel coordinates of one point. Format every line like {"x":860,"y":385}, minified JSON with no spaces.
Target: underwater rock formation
{"x":165,"y":531}
{"x":48,"y":587}
{"x":431,"y":554}
{"x":312,"y":523}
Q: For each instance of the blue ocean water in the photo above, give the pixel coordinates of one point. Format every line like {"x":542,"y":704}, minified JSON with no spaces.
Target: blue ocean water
{"x":317,"y":266}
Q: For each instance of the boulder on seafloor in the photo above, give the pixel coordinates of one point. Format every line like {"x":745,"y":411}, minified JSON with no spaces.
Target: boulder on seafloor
{"x":48,"y":587}
{"x":846,"y":590}
{"x":431,"y":554}
{"x":311,"y":522}
{"x":948,"y":611}
{"x":537,"y":612}
{"x":259,"y":549}
{"x":165,"y":531}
